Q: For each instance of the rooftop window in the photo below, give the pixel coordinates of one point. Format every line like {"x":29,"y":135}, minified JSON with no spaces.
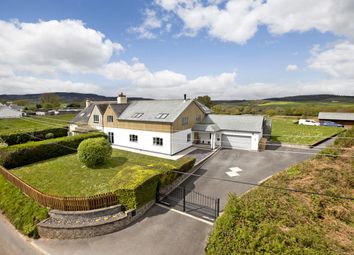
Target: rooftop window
{"x":137,"y":115}
{"x":161,"y":116}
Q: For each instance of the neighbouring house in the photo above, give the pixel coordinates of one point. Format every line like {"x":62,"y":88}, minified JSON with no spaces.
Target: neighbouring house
{"x":167,"y":126}
{"x":7,"y":112}
{"x":344,"y":118}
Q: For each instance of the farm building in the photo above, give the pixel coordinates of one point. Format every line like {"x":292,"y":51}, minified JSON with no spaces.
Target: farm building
{"x":344,"y":118}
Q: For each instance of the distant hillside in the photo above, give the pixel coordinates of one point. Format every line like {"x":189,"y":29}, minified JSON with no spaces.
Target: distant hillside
{"x":322,"y":98}
{"x":65,"y":97}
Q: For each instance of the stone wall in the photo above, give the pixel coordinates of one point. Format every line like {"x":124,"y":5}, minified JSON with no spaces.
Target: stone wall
{"x":91,"y":230}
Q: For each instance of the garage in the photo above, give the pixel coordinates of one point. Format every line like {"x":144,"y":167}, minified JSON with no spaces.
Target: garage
{"x":236,"y":142}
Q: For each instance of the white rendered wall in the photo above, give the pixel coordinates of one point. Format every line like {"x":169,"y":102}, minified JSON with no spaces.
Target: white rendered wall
{"x":7,"y":113}
{"x":179,"y":140}
{"x":145,"y":139}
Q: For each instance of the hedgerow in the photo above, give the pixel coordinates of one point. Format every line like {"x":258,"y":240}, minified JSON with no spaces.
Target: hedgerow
{"x":24,"y":154}
{"x":23,"y":212}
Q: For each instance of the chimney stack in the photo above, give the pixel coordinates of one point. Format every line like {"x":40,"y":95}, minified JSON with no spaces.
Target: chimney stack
{"x":185,"y":97}
{"x":122,"y":99}
{"x":88,"y":102}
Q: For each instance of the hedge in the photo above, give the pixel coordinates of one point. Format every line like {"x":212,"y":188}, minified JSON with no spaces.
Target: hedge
{"x":31,"y":152}
{"x":135,"y":186}
{"x":18,"y":138}
{"x":23,"y":212}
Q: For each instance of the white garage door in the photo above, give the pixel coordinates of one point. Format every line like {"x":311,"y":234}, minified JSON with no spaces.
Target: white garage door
{"x":236,"y":142}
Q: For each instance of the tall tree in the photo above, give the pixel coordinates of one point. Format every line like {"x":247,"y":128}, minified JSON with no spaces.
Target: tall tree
{"x":49,"y":100}
{"x":206,"y":100}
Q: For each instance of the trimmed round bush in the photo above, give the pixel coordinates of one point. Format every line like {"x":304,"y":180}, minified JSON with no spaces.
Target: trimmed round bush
{"x":94,"y":151}
{"x":49,"y":135}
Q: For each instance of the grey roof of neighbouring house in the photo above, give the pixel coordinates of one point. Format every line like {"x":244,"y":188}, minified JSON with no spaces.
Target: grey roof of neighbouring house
{"x":119,"y":108}
{"x":336,"y":116}
{"x":84,"y":115}
{"x":151,"y":108}
{"x":250,"y":123}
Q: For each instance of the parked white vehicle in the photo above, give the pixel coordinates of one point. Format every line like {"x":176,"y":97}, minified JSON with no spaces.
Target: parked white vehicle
{"x":308,"y":122}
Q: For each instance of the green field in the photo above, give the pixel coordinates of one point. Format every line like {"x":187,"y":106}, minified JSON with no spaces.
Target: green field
{"x":67,"y":176}
{"x":27,"y":124}
{"x":285,"y":130}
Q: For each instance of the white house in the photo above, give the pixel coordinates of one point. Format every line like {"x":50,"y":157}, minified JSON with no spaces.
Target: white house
{"x":7,"y":112}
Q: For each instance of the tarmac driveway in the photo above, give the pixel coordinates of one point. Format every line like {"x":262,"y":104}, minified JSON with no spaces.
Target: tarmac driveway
{"x":255,"y":166}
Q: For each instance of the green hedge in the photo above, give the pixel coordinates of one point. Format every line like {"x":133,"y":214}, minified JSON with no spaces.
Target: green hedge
{"x":18,"y":138}
{"x":135,"y":186}
{"x":23,"y":212}
{"x":24,"y":154}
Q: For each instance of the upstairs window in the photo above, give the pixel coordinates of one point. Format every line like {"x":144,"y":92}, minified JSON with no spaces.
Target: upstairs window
{"x":96,"y":118}
{"x":133,"y":138}
{"x":198,"y":118}
{"x":109,"y":118}
{"x":184,"y":121}
{"x":161,"y":116}
{"x":137,"y":115}
{"x":158,"y":141}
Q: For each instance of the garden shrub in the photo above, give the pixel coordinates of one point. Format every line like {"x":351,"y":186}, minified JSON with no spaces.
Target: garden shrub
{"x":135,"y":186}
{"x":18,"y":137}
{"x":23,"y":212}
{"x":24,"y":154}
{"x":49,"y":136}
{"x":94,"y":151}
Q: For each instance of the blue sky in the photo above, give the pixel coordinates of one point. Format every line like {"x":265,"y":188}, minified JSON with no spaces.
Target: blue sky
{"x":170,"y":47}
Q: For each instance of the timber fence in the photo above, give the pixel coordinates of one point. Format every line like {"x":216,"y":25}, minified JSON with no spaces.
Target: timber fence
{"x":61,"y":203}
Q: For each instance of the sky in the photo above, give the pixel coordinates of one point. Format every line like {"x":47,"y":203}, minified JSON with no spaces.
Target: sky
{"x":227,"y":49}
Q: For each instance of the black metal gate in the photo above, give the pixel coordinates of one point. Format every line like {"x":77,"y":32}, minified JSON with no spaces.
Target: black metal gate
{"x":193,"y":202}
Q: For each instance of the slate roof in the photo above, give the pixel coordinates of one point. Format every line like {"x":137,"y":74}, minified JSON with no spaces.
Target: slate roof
{"x":84,"y":115}
{"x":119,"y":108}
{"x":205,"y":109}
{"x":152,"y":108}
{"x":205,"y":127}
{"x":249,"y":123}
{"x":336,"y":116}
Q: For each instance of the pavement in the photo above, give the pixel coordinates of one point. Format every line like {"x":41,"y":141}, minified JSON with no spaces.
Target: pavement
{"x":159,"y":231}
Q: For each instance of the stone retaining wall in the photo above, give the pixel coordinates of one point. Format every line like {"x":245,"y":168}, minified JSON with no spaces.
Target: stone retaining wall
{"x":86,"y":231}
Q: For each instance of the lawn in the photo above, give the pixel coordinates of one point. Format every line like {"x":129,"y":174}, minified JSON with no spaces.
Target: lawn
{"x":28,"y":124}
{"x":67,"y":176}
{"x":286,"y":131}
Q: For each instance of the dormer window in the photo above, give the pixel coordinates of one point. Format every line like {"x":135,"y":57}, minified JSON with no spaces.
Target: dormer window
{"x":161,"y":116}
{"x":137,"y":115}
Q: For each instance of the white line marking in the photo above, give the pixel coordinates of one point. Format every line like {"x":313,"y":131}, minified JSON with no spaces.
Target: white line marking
{"x":186,"y":214}
{"x":234,"y":171}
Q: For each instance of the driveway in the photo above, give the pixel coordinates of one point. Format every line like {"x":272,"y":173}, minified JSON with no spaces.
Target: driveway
{"x":254,"y":166}
{"x":160,"y":231}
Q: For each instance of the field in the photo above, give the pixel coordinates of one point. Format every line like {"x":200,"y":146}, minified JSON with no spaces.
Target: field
{"x":27,"y":124}
{"x":67,"y":176}
{"x":284,"y":130}
{"x":273,"y":221}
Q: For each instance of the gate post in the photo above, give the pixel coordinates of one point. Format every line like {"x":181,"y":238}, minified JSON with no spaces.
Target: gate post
{"x":217,"y":207}
{"x":184,"y":198}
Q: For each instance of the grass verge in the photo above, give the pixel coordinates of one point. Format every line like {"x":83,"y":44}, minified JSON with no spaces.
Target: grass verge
{"x":23,"y":212}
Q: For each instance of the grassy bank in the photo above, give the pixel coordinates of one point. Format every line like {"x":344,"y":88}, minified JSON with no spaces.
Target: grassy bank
{"x":268,"y":221}
{"x":23,"y":212}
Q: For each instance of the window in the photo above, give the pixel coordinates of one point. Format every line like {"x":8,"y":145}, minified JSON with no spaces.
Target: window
{"x":184,"y":121}
{"x":158,"y":141}
{"x":111,"y":137}
{"x":137,"y":115}
{"x":198,"y":118}
{"x":189,"y":137}
{"x":161,"y":116}
{"x":133,"y":138}
{"x":96,"y":118}
{"x":109,"y":118}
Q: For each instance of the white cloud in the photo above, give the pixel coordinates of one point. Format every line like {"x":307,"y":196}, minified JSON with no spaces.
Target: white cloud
{"x":292,"y":68}
{"x":30,"y":84}
{"x":238,"y":20}
{"x":338,"y":60}
{"x":150,"y":23}
{"x":53,"y":46}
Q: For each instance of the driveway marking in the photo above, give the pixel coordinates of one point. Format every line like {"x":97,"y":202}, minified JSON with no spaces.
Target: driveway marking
{"x":234,"y":171}
{"x":186,"y":214}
